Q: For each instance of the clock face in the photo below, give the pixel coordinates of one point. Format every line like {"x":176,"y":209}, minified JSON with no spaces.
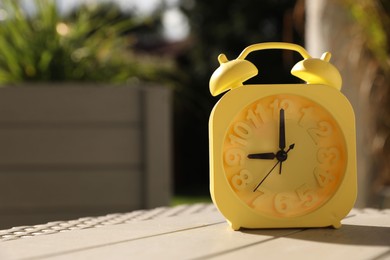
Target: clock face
{"x":284,"y":155}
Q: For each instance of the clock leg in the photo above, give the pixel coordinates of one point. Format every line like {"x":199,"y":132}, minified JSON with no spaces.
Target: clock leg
{"x":234,"y":226}
{"x":336,"y":225}
{"x":335,"y":220}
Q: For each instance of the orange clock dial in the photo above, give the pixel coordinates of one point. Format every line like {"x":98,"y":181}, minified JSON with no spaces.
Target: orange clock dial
{"x":284,"y":155}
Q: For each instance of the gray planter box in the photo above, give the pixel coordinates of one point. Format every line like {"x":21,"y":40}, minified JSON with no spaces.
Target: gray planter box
{"x":68,"y":152}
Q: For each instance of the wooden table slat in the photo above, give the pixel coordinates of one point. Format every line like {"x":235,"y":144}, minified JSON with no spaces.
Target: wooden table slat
{"x":200,"y":232}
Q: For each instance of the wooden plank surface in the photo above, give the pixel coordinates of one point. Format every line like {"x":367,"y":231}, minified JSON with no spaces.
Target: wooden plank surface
{"x":62,"y":194}
{"x":204,"y":234}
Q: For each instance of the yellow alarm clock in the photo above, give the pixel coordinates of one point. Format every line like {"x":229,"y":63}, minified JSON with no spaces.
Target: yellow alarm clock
{"x":282,"y":155}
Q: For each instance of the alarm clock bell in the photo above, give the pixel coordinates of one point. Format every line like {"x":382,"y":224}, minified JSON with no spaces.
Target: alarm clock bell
{"x":233,"y":73}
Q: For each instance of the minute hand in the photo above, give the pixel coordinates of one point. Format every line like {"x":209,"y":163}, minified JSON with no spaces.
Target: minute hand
{"x":282,"y":130}
{"x":282,"y":136}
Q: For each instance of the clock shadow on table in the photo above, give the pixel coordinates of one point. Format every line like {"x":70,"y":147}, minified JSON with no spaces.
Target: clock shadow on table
{"x":347,"y":234}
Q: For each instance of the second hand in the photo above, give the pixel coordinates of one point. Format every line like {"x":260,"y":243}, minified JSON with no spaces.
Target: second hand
{"x":258,"y":185}
{"x":279,"y":161}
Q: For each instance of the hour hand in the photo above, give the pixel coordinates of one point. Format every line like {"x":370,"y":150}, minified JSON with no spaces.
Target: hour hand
{"x":269,"y":156}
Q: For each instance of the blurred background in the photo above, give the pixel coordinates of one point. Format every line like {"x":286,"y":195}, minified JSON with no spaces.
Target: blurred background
{"x":142,"y":140}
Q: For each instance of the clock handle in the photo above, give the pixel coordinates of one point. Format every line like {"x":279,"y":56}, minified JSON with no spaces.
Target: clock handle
{"x":311,"y":70}
{"x":274,"y":45}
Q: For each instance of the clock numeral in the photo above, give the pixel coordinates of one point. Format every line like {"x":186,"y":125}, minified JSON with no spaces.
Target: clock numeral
{"x":328,"y":156}
{"x":242,"y":180}
{"x":282,"y":202}
{"x":262,"y":112}
{"x":259,"y":199}
{"x":324,"y":129}
{"x":286,"y":104}
{"x":234,"y":140}
{"x":307,"y":117}
{"x":242,"y":129}
{"x":234,"y":157}
{"x":308,"y":196}
{"x":252,"y":117}
{"x":242,"y":132}
{"x":323,"y":177}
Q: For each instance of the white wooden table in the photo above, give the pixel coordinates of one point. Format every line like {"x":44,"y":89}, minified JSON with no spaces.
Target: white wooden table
{"x":195,"y":232}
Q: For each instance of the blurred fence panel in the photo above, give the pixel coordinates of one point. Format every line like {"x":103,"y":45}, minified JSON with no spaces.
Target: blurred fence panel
{"x":69,"y":151}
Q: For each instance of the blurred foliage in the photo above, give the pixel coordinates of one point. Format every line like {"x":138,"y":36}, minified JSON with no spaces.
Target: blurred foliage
{"x":94,"y":43}
{"x":373,"y":19}
{"x":219,"y":26}
{"x":180,"y":200}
